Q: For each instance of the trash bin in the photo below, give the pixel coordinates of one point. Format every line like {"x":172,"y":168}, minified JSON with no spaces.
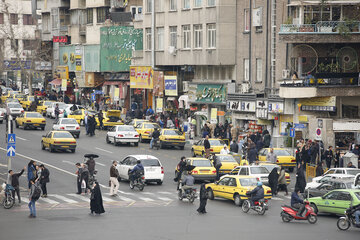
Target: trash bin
{"x":350,"y":157}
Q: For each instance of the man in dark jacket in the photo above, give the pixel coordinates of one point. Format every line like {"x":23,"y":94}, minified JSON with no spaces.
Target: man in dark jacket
{"x":297,"y":202}
{"x":329,"y":155}
{"x":181,"y":168}
{"x":256,"y":194}
{"x":44,"y":179}
{"x":267,"y":140}
{"x":234,"y":147}
{"x":252,"y":154}
{"x":14,"y":177}
{"x":101,"y":119}
{"x":207,"y":146}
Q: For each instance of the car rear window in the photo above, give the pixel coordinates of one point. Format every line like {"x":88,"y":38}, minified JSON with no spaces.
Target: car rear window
{"x":33,"y":115}
{"x":47,"y":103}
{"x":228,"y":158}
{"x":172,"y":132}
{"x":258,"y":170}
{"x":216,"y":143}
{"x":357,"y":194}
{"x":150,"y":162}
{"x":270,"y":167}
{"x":246,"y":182}
{"x":126,"y":128}
{"x":201,"y":163}
{"x":62,"y":135}
{"x":281,"y":152}
{"x":353,"y":171}
{"x":150,"y":125}
{"x":68,"y":121}
{"x":14,"y":105}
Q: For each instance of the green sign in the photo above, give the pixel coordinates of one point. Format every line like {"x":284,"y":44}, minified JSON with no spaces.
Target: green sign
{"x":116,"y":46}
{"x":211,"y":93}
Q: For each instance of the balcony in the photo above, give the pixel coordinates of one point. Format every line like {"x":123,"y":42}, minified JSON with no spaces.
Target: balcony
{"x":82,"y":29}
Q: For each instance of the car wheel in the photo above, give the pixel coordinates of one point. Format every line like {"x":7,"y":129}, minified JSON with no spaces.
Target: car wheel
{"x":78,"y":135}
{"x":1,"y":121}
{"x":107,"y":140}
{"x":17,"y":125}
{"x":72,"y":150}
{"x":182,"y":148}
{"x":43,"y":128}
{"x":210,"y":194}
{"x":42,"y":146}
{"x":136,"y":144}
{"x":314,"y":207}
{"x":52,"y":149}
{"x":159,"y":183}
{"x":25,"y":127}
{"x":161,"y":145}
{"x":193,"y":152}
{"x":291,"y":169}
{"x":237,"y":200}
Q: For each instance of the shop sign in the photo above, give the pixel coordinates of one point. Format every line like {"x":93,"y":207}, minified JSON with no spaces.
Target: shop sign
{"x":211,"y":93}
{"x":141,"y":77}
{"x":159,"y":105}
{"x":261,"y":109}
{"x":319,"y":108}
{"x":276,"y":107}
{"x":324,"y":104}
{"x":241,"y":106}
{"x":303,"y":119}
{"x":17,"y":65}
{"x":78,"y":63}
{"x":170,"y":85}
{"x":62,"y":72}
{"x":158,"y":83}
{"x":63,"y":85}
{"x":213,"y":116}
{"x":299,"y":125}
{"x":285,"y":120}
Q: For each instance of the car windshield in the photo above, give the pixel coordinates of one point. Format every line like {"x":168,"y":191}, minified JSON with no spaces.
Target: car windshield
{"x":151,"y":125}
{"x":258,"y":170}
{"x":357,"y":194}
{"x":91,"y":112}
{"x":14,"y":105}
{"x":150,"y":162}
{"x":68,"y":121}
{"x":270,"y":167}
{"x":47,"y":103}
{"x":246,"y":182}
{"x":31,"y":98}
{"x":227,"y":158}
{"x":281,"y":152}
{"x":353,"y":171}
{"x":125,"y":128}
{"x":62,"y":105}
{"x":33,"y":115}
{"x":201,"y":163}
{"x":62,"y":135}
{"x":216,"y":142}
{"x":172,"y":132}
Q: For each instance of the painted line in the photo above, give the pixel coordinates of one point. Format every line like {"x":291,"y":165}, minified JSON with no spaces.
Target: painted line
{"x":276,"y":198}
{"x":47,"y":200}
{"x":21,"y":138}
{"x":126,"y":193}
{"x":169,"y":193}
{"x":106,"y":199}
{"x":101,"y":164}
{"x":68,"y":200}
{"x":121,"y":198}
{"x":78,"y":196}
{"x":164,"y":199}
{"x":25,"y":199}
{"x":147,"y":193}
{"x":71,"y":163}
{"x":146,"y":199}
{"x":288,"y":197}
{"x":103,"y":150}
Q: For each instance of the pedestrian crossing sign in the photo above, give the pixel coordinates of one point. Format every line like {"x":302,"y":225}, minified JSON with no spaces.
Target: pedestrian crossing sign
{"x":11,"y":138}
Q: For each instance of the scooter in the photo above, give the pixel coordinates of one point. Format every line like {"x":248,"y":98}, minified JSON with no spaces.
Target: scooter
{"x":259,"y":206}
{"x":8,"y":201}
{"x":345,"y":222}
{"x":138,"y":182}
{"x":288,"y":213}
{"x":189,"y":193}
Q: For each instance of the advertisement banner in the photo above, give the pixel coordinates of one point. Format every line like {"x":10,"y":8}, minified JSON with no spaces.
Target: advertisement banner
{"x":159,"y":105}
{"x":170,"y":85}
{"x":63,"y":84}
{"x":211,"y":93}
{"x":141,"y":77}
{"x":62,"y":72}
{"x":213,"y":115}
{"x":116,"y":94}
{"x":319,"y":101}
{"x":158,"y":83}
{"x":78,"y":63}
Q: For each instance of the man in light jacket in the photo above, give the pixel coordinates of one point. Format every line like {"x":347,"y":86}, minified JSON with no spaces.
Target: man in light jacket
{"x":271,"y":156}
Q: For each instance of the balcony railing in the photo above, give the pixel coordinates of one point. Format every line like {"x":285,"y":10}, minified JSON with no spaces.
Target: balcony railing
{"x":320,"y":82}
{"x":322,"y":27}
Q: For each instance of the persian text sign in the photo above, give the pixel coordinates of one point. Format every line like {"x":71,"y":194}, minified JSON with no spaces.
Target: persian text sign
{"x":211,"y":93}
{"x":141,"y":77}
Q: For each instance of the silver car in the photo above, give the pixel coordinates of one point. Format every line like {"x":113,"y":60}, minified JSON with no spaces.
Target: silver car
{"x":14,"y":109}
{"x":67,"y":124}
{"x":122,"y":134}
{"x":2,"y":114}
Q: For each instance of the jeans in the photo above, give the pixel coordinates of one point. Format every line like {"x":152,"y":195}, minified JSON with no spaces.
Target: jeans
{"x":87,"y":128}
{"x":300,"y":207}
{"x":32,"y":208}
{"x":151,"y":142}
{"x":357,"y":216}
{"x":114,"y":185}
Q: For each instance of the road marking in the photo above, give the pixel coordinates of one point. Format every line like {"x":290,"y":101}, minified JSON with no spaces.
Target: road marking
{"x":106,"y":199}
{"x":78,"y":196}
{"x":68,"y":200}
{"x":101,"y":164}
{"x":71,"y":163}
{"x":288,"y":197}
{"x":49,"y":201}
{"x":103,"y":150}
{"x":126,"y":193}
{"x":21,"y":138}
{"x":276,"y":198}
{"x":164,"y":199}
{"x":146,"y":199}
{"x":147,"y":193}
{"x":25,"y":199}
{"x":121,"y":198}
{"x":169,"y":193}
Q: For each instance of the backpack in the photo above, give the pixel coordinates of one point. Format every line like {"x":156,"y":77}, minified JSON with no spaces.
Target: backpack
{"x":36,"y":193}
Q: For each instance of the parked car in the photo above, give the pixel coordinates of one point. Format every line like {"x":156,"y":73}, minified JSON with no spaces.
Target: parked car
{"x":325,"y":187}
{"x":14,"y":109}
{"x":67,"y":124}
{"x":257,"y":171}
{"x":153,"y":169}
{"x":122,"y":134}
{"x":50,"y":111}
{"x":316,"y":181}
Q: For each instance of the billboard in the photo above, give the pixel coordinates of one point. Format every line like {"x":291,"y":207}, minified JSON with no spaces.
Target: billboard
{"x":170,"y":85}
{"x":141,"y":77}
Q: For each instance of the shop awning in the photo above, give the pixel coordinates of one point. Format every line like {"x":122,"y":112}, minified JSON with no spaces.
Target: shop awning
{"x":318,"y":2}
{"x":184,"y":101}
{"x":56,"y":82}
{"x":346,"y":126}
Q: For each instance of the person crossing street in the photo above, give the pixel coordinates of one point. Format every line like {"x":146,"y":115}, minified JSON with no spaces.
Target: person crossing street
{"x":44,"y":179}
{"x":114,"y":183}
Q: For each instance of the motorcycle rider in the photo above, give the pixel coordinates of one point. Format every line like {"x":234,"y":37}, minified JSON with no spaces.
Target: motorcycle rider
{"x":136,"y":171}
{"x":155,"y":136}
{"x":256,"y":194}
{"x":297,"y":202}
{"x":356,"y":211}
{"x":188,"y":182}
{"x":91,"y":165}
{"x":181,"y":167}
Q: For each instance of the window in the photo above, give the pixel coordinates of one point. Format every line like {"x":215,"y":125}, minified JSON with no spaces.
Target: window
{"x":232,"y":182}
{"x":224,"y":181}
{"x":246,"y":69}
{"x":14,"y":44}
{"x":28,"y":20}
{"x":29,"y":44}
{"x":13,"y":19}
{"x":89,"y":15}
{"x":198,"y":36}
{"x":259,"y":70}
{"x":160,"y":38}
{"x":173,"y":6}
{"x":186,"y":37}
{"x":211,"y":34}
{"x":1,"y":18}
{"x":46,"y":22}
{"x":211,"y":3}
{"x":149,"y":6}
{"x":148,"y":38}
{"x":173,"y":36}
{"x":186,"y":4}
{"x":160,"y":5}
{"x":197,"y":3}
{"x":243,"y":171}
{"x":102,"y":14}
{"x":247,"y":20}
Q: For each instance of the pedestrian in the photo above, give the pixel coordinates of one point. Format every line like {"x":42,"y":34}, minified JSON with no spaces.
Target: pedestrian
{"x":217,"y":165}
{"x":92,"y":125}
{"x":234,"y":147}
{"x":101,"y":119}
{"x":319,"y":171}
{"x":180,"y":169}
{"x":169,"y":123}
{"x":114,"y":183}
{"x":34,"y":195}
{"x":337,"y":159}
{"x":217,"y":131}
{"x":31,"y":172}
{"x":205,"y":131}
{"x":91,"y":165}
{"x":84,"y":179}
{"x":203,"y":199}
{"x":329,"y":155}
{"x":96,"y":201}
{"x":44,"y":179}
{"x":252,"y":154}
{"x":57,"y":112}
{"x":282,"y":181}
{"x":14,"y":181}
{"x":78,"y":180}
{"x":207,"y":146}
{"x":267,"y":140}
{"x":273,"y":181}
{"x":225,"y":150}
{"x":86,"y":122}
{"x":300,"y":178}
{"x":259,"y":143}
{"x":271,"y":156}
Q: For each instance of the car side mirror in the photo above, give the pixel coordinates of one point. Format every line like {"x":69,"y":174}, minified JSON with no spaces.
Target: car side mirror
{"x":216,"y":182}
{"x":322,"y":197}
{"x":43,"y":135}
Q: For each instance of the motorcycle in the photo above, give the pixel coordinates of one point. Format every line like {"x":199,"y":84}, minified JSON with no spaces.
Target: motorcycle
{"x":138,"y":182}
{"x":189,"y":193}
{"x":288,"y":213}
{"x":156,"y":144}
{"x":8,"y":201}
{"x":345,"y":222}
{"x":259,"y":206}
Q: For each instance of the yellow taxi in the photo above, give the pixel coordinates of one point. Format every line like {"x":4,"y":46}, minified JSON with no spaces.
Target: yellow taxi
{"x":58,"y":140}
{"x":19,"y":96}
{"x":270,"y":166}
{"x":27,"y":102}
{"x":43,"y":105}
{"x":204,"y":170}
{"x":111,"y":118}
{"x":172,"y":138}
{"x":234,"y":188}
{"x":79,"y":115}
{"x":30,"y":120}
{"x":216,"y":145}
{"x":5,"y":96}
{"x":145,"y":130}
{"x":284,"y":158}
{"x":228,"y":163}
{"x":136,"y":121}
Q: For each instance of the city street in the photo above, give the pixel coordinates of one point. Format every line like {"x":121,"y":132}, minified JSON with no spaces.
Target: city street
{"x":155,"y":213}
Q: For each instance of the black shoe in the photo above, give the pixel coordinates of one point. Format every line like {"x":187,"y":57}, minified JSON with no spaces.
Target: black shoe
{"x":30,"y":216}
{"x":78,"y":193}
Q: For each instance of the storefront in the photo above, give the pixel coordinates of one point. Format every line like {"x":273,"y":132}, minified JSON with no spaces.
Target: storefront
{"x":346,"y":131}
{"x":141,"y":86}
{"x":243,"y":108}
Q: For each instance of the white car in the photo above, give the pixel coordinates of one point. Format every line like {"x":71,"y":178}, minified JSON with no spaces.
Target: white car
{"x":350,"y":171}
{"x":2,"y":114}
{"x":67,"y":124}
{"x":122,"y":134}
{"x":317,"y":181}
{"x":260,"y":172}
{"x":14,"y":109}
{"x":72,"y":107}
{"x":50,"y":111}
{"x":153,"y":169}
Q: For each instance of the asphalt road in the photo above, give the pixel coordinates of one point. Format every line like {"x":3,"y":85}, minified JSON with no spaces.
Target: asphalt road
{"x":154,"y":213}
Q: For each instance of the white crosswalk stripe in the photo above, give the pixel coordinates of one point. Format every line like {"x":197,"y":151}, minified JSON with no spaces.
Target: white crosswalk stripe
{"x":47,"y":200}
{"x":168,"y":193}
{"x":83,"y":198}
{"x":106,"y":199}
{"x":65,"y":199}
{"x":25,"y":199}
{"x":276,"y":198}
{"x":121,"y":198}
{"x":146,"y":199}
{"x":164,"y":198}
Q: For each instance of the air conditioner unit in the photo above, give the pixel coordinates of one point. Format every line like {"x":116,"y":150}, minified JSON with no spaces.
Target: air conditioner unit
{"x":285,"y":73}
{"x":245,"y":87}
{"x":185,"y":86}
{"x":172,"y":50}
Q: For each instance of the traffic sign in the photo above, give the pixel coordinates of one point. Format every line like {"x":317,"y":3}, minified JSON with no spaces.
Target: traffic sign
{"x":318,"y":132}
{"x":10,"y":150}
{"x":292,"y":132}
{"x":11,"y":139}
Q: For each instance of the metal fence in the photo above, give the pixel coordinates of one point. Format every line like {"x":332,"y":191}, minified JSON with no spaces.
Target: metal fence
{"x":328,"y":27}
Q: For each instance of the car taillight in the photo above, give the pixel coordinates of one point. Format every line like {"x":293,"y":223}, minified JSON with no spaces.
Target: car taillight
{"x":57,"y":142}
{"x":287,"y":177}
{"x":147,"y":132}
{"x":62,"y":128}
{"x":136,"y":136}
{"x":143,"y":178}
{"x":211,"y":150}
{"x":277,"y":160}
{"x":43,"y":121}
{"x":214,"y":171}
{"x":77,"y":128}
{"x":268,"y":191}
{"x":73,"y":142}
{"x":195,"y":172}
{"x":28,"y":120}
{"x":162,"y":170}
{"x":120,"y":135}
{"x":22,"y":110}
{"x":293,"y":160}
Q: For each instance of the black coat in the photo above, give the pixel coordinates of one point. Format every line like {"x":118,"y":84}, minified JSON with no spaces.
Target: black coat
{"x":206,"y":144}
{"x":252,"y":155}
{"x":234,"y":147}
{"x":44,"y":177}
{"x":96,"y":202}
{"x":273,"y":180}
{"x":15,"y":178}
{"x":300,"y":180}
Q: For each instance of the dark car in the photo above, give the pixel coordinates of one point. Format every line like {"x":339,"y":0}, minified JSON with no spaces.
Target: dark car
{"x":328,"y":186}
